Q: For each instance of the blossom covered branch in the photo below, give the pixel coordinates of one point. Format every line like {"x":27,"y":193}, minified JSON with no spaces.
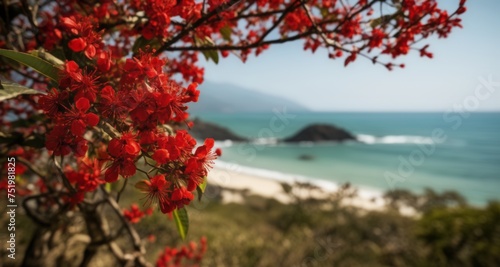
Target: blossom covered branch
{"x":111,"y":98}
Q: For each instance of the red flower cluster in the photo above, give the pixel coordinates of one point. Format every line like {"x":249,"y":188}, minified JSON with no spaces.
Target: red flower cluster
{"x":82,"y":83}
{"x":185,"y":171}
{"x":50,"y":35}
{"x":420,"y":19}
{"x":68,"y":108}
{"x":85,"y":38}
{"x":123,"y":152}
{"x":197,"y":166}
{"x":190,"y":255}
{"x":186,"y":66}
{"x":88,"y":176}
{"x":182,"y":170}
{"x":354,"y":28}
{"x":147,"y":94}
{"x":134,"y":214}
{"x":159,"y":13}
{"x":133,"y":112}
{"x":296,"y":21}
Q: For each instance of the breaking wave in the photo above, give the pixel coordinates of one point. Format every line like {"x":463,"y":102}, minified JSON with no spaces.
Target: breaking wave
{"x":394,"y":139}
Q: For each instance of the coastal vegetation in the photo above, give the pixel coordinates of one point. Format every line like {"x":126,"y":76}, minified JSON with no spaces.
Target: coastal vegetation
{"x":259,"y":231}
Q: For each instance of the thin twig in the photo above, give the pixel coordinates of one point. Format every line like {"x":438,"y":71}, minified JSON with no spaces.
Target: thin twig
{"x":63,"y":176}
{"x":121,"y":191}
{"x":31,"y":167}
{"x":279,"y":20}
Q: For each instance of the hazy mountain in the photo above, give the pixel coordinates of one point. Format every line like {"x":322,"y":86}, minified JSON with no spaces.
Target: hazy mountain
{"x":229,"y":98}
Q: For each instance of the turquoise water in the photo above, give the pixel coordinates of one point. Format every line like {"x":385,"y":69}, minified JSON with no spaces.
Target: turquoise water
{"x":397,"y":150}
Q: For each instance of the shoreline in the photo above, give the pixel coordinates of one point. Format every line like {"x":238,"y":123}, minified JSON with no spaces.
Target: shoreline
{"x":267,"y":183}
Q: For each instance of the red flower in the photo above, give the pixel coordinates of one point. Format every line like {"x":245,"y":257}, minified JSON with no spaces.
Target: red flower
{"x":424,"y":53}
{"x":77,"y":80}
{"x":54,"y":102}
{"x":376,"y":39}
{"x":79,"y":119}
{"x":88,"y":177}
{"x":134,"y":215}
{"x":48,"y":33}
{"x":351,"y":27}
{"x":72,"y":70}
{"x":161,"y":156}
{"x":111,"y":174}
{"x":87,"y":38}
{"x":125,"y":147}
{"x":350,"y":59}
{"x":180,"y":197}
{"x":57,"y":141}
{"x":191,"y":94}
{"x":157,"y":190}
{"x":179,"y":146}
{"x":124,"y":151}
{"x":146,"y":65}
{"x":198,"y":165}
{"x":104,"y":61}
{"x":189,"y":255}
{"x":77,"y":44}
{"x":124,"y":167}
{"x":75,"y":199}
{"x":296,"y":21}
{"x":111,"y":106}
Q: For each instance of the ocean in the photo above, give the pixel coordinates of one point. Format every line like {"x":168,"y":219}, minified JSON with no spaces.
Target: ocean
{"x":441,"y":151}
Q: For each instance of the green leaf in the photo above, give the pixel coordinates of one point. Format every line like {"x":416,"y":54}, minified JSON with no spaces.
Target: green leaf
{"x":226,"y":33}
{"x":199,"y":193}
{"x":197,"y":41}
{"x":383,"y":20}
{"x":203,"y":185}
{"x":200,"y":189}
{"x":11,"y":63}
{"x":51,"y":58}
{"x":209,"y":41}
{"x":59,"y":54}
{"x":211,"y":54}
{"x":142,"y":185}
{"x":214,"y":55}
{"x":181,"y":221}
{"x":139,"y":42}
{"x":376,"y":22}
{"x":10,"y":90}
{"x":205,"y":53}
{"x":43,"y":67}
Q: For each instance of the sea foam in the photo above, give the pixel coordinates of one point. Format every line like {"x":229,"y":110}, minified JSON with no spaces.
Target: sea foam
{"x":394,"y":139}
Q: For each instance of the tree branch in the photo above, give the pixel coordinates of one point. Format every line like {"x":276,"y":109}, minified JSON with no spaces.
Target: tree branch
{"x":237,"y":47}
{"x":195,"y":25}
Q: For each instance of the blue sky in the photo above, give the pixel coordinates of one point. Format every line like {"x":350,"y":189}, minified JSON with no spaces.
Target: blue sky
{"x":437,"y":84}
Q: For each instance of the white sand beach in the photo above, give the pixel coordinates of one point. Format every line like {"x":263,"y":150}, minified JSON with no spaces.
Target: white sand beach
{"x":236,"y":177}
